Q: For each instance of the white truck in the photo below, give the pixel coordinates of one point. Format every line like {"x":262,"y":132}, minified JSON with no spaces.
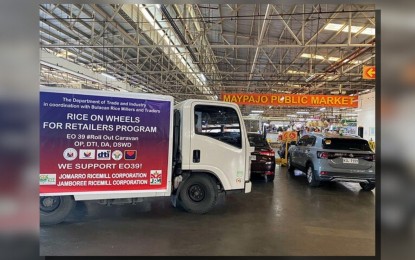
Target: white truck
{"x":118,"y":148}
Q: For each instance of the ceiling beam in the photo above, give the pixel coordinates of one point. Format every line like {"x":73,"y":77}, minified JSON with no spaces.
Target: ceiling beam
{"x":218,"y":46}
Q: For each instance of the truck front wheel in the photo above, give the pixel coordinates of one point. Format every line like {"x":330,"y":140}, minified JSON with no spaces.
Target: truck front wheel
{"x":54,"y":209}
{"x":198,"y":194}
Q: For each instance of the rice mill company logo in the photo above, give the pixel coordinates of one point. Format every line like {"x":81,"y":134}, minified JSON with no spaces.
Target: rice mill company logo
{"x":70,"y":154}
{"x":155,"y":177}
{"x":47,"y":179}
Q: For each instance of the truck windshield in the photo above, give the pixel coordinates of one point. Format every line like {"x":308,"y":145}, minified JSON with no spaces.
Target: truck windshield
{"x":220,"y":123}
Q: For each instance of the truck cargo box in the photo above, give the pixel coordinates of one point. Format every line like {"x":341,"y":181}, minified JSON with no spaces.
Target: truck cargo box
{"x":96,"y":146}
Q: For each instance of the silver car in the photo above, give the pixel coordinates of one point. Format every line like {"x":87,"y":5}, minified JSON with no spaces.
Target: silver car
{"x":329,"y":157}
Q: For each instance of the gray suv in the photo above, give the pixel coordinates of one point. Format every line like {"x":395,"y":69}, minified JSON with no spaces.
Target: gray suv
{"x":329,"y":157}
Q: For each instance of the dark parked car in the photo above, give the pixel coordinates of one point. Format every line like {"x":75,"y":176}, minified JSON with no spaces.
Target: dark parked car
{"x":263,"y":158}
{"x":328,"y":157}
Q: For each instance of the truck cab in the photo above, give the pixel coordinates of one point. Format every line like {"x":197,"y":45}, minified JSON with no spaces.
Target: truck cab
{"x":214,"y":153}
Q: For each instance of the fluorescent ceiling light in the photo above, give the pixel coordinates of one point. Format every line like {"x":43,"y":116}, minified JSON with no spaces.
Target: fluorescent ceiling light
{"x":303,"y":112}
{"x":108,"y":76}
{"x":310,"y":78}
{"x":98,"y":68}
{"x":70,"y":53}
{"x":203,"y":77}
{"x":314,"y":56}
{"x":358,"y":110}
{"x":351,"y":114}
{"x":333,"y":59}
{"x":353,"y":29}
{"x":333,"y":27}
{"x":292,"y":115}
{"x":257,"y":111}
{"x":64,"y":54}
{"x":369,"y":31}
{"x":323,"y":108}
{"x":337,"y":92}
{"x":296,"y":72}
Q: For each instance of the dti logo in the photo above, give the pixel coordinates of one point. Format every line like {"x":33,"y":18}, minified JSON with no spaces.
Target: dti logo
{"x":103,"y":154}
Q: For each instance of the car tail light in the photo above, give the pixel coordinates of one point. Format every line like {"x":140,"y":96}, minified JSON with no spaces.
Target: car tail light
{"x":323,"y":173}
{"x":323,"y":155}
{"x":327,"y":155}
{"x":267,"y":153}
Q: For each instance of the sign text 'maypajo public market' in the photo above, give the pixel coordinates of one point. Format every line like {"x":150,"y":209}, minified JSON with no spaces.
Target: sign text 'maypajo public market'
{"x":291,"y":100}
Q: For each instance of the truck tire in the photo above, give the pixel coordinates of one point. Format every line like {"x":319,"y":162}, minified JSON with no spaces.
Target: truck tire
{"x":367,"y":186}
{"x":54,"y":209}
{"x":198,"y":194}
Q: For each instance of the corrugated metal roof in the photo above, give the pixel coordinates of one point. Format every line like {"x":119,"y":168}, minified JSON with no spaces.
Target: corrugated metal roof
{"x":223,"y":39}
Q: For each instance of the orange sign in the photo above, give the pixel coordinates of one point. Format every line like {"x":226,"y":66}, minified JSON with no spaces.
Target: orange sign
{"x":289,"y":136}
{"x":369,"y":72}
{"x":290,"y":100}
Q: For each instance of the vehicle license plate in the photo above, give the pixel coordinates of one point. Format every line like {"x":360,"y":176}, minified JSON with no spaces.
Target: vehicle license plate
{"x":350,"y":160}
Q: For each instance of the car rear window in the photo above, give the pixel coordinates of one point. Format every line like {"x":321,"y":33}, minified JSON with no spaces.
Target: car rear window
{"x":257,"y":141}
{"x":346,"y":144}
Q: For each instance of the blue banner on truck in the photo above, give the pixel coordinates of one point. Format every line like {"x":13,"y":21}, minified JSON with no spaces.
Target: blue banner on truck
{"x":93,"y":143}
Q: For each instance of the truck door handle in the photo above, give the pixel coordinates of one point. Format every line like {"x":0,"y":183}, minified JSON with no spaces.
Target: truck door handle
{"x":196,"y":156}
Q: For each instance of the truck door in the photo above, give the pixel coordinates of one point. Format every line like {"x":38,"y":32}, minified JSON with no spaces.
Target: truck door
{"x":217,"y":141}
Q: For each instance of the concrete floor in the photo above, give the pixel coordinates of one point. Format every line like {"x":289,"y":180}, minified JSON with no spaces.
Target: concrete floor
{"x":281,"y":218}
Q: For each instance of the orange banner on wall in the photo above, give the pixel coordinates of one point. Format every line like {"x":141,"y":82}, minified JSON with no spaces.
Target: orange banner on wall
{"x":291,"y":100}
